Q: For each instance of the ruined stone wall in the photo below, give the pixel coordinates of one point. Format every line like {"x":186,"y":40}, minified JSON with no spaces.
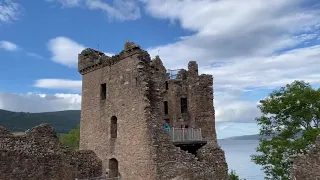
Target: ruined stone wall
{"x":307,"y":166}
{"x":38,"y":155}
{"x":172,"y":162}
{"x":198,"y":89}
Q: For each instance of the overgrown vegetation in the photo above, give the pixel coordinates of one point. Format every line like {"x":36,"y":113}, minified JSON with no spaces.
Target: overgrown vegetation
{"x":71,"y":139}
{"x":291,"y":117}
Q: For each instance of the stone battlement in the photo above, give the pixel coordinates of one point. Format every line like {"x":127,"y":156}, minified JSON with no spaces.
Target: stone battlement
{"x":90,"y":59}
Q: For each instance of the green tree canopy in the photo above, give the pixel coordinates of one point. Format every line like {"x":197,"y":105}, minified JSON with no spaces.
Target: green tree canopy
{"x":71,"y":139}
{"x":233,"y":175}
{"x":290,"y":116}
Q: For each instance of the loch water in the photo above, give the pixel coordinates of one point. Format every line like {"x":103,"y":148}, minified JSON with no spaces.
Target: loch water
{"x":238,"y":154}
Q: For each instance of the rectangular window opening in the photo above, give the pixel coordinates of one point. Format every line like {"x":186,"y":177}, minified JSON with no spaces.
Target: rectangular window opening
{"x":167,"y":85}
{"x":103,"y":91}
{"x":184,"y":105}
{"x":165,"y":107}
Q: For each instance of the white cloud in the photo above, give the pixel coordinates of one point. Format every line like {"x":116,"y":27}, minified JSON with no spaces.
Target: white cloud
{"x":9,"y":11}
{"x":67,"y":3}
{"x":242,"y":44}
{"x":226,"y":30}
{"x":65,"y":51}
{"x":64,"y":84}
{"x":31,"y":102}
{"x":34,"y":55}
{"x":120,"y":10}
{"x":8,"y":46}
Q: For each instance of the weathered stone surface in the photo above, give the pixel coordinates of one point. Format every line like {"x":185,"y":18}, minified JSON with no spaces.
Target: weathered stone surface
{"x":214,"y":157}
{"x":4,"y":131}
{"x":307,"y":166}
{"x":42,"y":130}
{"x":87,"y":163}
{"x":38,"y":155}
{"x":135,"y":91}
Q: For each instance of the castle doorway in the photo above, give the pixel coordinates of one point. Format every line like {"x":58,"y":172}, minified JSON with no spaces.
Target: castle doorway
{"x":113,"y":168}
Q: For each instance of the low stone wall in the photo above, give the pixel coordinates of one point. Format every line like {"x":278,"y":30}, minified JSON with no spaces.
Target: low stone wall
{"x":39,"y":155}
{"x":307,"y":166}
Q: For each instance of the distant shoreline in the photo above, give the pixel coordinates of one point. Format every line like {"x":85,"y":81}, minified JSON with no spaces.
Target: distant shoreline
{"x":246,"y":137}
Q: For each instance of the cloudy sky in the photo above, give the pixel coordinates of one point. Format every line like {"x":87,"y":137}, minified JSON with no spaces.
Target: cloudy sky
{"x":250,"y":47}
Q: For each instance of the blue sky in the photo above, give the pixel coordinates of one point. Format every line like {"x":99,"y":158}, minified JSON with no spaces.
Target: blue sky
{"x":251,"y":47}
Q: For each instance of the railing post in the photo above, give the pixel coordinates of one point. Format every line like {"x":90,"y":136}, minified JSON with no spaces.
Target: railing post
{"x":192,"y":135}
{"x":200,"y":134}
{"x":182,"y":134}
{"x":173,"y":134}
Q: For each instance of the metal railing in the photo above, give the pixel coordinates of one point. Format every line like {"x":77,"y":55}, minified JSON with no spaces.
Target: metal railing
{"x":184,"y":134}
{"x":173,"y":73}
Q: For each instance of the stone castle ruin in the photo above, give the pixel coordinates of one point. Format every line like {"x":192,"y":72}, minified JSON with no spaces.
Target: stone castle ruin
{"x":127,"y":99}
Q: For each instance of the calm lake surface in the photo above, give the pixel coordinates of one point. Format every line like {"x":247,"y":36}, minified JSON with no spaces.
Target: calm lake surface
{"x":238,"y":158}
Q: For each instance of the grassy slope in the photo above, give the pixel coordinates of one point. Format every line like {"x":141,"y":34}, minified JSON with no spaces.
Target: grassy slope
{"x":62,"y":121}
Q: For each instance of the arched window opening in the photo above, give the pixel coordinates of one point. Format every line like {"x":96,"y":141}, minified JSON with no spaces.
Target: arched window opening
{"x":114,"y":127}
{"x":113,"y":168}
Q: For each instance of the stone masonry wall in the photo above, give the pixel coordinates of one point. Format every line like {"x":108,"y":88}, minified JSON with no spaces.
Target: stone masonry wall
{"x":125,"y":101}
{"x":38,"y":155}
{"x":307,"y":166}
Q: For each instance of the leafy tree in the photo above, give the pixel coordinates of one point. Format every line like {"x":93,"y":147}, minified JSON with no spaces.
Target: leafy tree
{"x":71,"y":139}
{"x":233,"y":175}
{"x":291,"y":117}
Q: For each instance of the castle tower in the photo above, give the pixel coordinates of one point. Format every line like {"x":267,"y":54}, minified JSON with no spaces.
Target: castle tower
{"x":122,"y":112}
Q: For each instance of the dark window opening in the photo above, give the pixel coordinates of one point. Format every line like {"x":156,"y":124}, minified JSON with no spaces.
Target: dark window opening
{"x":165,"y":103}
{"x":114,"y":127}
{"x":167,"y":85}
{"x":184,"y":105}
{"x":113,"y":168}
{"x":103,"y":91}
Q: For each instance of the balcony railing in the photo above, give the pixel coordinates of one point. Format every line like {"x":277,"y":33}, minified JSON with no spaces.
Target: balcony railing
{"x":185,"y":134}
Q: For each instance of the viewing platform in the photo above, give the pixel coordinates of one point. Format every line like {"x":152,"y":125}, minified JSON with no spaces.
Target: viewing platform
{"x":188,"y":139}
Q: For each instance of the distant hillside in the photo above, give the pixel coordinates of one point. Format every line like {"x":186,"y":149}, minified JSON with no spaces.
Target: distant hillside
{"x":62,"y":121}
{"x":247,"y":137}
{"x":254,"y":137}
